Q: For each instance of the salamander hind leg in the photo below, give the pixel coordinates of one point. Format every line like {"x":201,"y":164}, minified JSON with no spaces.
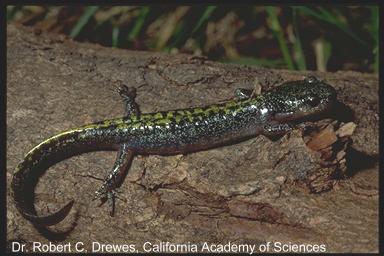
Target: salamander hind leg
{"x":108,"y":191}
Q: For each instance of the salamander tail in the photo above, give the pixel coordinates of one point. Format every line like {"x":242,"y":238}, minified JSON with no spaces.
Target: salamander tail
{"x":51,"y":219}
{"x":28,"y":172}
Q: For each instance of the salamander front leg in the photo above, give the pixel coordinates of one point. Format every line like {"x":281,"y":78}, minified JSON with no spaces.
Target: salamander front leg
{"x":114,"y":179}
{"x":128,"y":94}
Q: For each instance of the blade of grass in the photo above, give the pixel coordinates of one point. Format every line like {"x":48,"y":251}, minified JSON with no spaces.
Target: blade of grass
{"x":135,"y":31}
{"x":179,"y":34}
{"x":170,"y":25}
{"x":89,"y":12}
{"x":299,"y":53}
{"x":204,"y":18}
{"x":333,"y":18}
{"x":322,"y":50}
{"x":323,"y":14}
{"x":11,"y":10}
{"x":274,"y":25}
{"x":115,"y":36}
{"x":183,"y":33}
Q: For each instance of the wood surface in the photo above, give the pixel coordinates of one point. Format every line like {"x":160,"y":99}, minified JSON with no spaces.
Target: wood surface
{"x":316,"y":185}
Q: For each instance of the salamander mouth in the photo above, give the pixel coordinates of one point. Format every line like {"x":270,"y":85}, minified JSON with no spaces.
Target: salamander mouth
{"x":300,"y":116}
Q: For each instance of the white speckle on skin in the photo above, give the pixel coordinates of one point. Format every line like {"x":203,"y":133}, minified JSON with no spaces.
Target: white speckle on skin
{"x":264,"y":111}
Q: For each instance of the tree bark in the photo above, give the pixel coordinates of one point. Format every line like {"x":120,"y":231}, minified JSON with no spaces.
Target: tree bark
{"x":316,"y":185}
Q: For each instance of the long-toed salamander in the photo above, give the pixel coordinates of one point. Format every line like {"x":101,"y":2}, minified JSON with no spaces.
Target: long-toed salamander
{"x":170,"y":132}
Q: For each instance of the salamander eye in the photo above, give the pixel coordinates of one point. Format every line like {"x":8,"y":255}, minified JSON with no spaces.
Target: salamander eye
{"x":312,"y":100}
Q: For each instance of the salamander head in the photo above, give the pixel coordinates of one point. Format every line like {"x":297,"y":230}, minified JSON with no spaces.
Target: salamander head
{"x":299,"y":99}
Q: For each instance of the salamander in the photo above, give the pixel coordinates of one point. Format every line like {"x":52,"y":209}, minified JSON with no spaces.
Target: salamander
{"x":171,"y":132}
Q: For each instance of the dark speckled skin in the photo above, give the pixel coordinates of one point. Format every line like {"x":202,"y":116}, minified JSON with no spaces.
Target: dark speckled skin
{"x":173,"y":132}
